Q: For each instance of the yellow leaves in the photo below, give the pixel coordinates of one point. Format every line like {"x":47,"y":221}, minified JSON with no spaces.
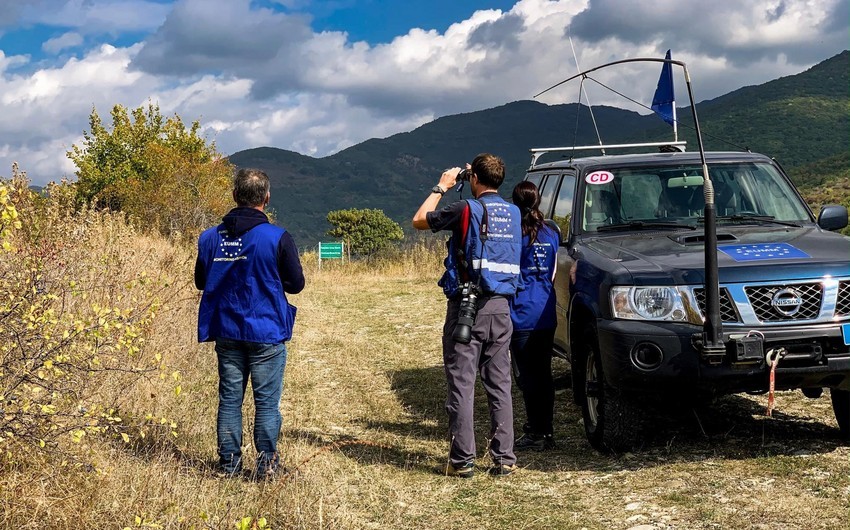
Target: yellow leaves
{"x":249,"y":523}
{"x":76,"y":325}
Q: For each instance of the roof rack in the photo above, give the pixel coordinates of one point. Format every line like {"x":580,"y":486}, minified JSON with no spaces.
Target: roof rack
{"x":536,"y":153}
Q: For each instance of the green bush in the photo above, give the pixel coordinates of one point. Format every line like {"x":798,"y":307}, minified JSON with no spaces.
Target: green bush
{"x":165,"y":176}
{"x":365,"y":231}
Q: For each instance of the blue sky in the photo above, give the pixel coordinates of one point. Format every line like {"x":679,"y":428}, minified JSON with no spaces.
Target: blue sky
{"x":319,"y":76}
{"x":377,"y":21}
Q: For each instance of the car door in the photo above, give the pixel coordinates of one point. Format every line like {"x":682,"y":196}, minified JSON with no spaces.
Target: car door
{"x":562,"y":215}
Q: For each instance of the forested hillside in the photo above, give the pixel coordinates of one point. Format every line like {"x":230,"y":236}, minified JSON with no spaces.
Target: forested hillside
{"x":800,"y":120}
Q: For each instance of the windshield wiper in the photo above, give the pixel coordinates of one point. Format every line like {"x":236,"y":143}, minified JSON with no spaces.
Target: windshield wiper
{"x":753,"y":217}
{"x":644,"y":225}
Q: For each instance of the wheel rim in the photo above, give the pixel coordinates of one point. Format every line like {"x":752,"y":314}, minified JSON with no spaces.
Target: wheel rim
{"x":591,"y":392}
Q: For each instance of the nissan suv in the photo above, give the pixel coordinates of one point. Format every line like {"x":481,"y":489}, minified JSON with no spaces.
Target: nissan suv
{"x":630,"y":284}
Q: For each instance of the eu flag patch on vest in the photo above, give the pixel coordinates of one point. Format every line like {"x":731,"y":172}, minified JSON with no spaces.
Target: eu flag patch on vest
{"x":762,"y":251}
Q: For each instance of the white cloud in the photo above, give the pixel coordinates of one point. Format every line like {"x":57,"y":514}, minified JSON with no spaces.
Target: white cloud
{"x":11,"y":61}
{"x":257,"y":77}
{"x":66,"y":40}
{"x":86,"y":16}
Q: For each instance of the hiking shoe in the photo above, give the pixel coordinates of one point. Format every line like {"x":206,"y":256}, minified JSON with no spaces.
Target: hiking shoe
{"x":465,"y":470}
{"x":268,"y":466}
{"x":270,"y":474}
{"x":502,"y":470}
{"x":228,"y":471}
{"x":534,"y":442}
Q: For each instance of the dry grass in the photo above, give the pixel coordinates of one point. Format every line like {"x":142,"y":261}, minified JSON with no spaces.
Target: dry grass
{"x":364,"y":425}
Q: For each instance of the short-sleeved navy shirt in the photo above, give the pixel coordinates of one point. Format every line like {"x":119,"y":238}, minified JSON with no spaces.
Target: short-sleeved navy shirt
{"x":449,"y":218}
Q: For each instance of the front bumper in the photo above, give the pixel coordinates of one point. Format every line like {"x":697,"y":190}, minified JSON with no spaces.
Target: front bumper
{"x":682,"y":368}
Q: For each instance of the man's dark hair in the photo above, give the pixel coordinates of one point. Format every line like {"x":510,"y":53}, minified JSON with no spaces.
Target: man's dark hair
{"x":490,"y":170}
{"x":250,"y":187}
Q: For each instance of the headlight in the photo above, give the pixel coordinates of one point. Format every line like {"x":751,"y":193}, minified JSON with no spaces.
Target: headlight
{"x":648,"y":303}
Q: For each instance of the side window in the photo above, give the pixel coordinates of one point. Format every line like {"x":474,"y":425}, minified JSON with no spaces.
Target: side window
{"x":547,"y":193}
{"x":564,"y":203}
{"x":535,"y":179}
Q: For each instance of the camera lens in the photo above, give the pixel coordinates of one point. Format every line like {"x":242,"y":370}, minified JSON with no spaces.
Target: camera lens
{"x":462,"y":334}
{"x":466,"y":314}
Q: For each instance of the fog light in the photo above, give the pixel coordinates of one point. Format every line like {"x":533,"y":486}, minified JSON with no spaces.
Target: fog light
{"x":647,"y":356}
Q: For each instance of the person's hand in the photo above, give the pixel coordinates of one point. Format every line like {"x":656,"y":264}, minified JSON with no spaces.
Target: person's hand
{"x":449,"y":178}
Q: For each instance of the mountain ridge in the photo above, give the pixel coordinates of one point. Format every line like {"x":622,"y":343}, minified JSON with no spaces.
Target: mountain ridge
{"x":793,"y":118}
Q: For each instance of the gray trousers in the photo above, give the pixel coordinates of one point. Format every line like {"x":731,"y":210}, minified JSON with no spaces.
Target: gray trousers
{"x":488,"y":355}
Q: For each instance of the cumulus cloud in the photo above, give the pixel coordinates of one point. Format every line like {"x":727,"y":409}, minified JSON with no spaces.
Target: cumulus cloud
{"x":255,"y":76}
{"x":86,"y":16}
{"x":66,"y":40}
{"x":740,"y":31}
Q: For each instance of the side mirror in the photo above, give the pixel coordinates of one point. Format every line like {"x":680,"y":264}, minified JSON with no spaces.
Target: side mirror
{"x":832,"y":217}
{"x":554,"y":226}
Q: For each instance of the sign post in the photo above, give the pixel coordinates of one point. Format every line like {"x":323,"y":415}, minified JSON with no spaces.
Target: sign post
{"x":330,"y":251}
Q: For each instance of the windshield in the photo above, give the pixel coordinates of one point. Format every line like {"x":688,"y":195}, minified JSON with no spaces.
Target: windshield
{"x":672,"y":197}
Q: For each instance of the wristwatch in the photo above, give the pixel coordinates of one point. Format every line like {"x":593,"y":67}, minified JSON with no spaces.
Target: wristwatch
{"x":438,"y":189}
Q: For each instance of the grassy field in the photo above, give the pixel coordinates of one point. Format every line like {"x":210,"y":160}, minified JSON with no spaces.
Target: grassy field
{"x":364,"y":426}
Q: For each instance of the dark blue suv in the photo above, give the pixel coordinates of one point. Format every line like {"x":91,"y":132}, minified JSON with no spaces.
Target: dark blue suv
{"x":631,"y":275}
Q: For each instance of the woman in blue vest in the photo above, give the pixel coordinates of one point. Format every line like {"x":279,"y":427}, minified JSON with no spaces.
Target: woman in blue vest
{"x":533,"y":316}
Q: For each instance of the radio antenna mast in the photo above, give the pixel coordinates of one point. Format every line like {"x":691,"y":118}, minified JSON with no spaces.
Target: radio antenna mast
{"x":584,"y":90}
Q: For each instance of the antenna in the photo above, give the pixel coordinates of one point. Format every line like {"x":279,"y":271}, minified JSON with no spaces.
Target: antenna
{"x":583,"y":90}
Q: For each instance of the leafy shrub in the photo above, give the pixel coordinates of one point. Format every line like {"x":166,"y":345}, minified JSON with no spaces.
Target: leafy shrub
{"x":165,"y":176}
{"x":364,"y":231}
{"x":76,"y":307}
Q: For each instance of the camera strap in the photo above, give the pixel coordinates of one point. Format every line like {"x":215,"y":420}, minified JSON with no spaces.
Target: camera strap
{"x":483,"y":231}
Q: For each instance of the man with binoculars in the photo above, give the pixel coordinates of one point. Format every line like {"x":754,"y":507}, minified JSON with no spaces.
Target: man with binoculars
{"x":482,"y":273}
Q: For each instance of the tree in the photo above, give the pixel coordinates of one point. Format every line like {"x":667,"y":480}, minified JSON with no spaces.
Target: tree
{"x":164,"y":175}
{"x":365,"y":231}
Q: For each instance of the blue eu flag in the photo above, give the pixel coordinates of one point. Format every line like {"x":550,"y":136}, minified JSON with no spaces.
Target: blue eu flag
{"x":664,"y":99}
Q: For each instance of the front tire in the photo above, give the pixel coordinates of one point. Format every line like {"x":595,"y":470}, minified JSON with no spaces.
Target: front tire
{"x":612,"y":422}
{"x":841,"y":407}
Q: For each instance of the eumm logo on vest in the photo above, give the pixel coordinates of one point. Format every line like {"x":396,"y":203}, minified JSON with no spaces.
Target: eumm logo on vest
{"x":230,"y":247}
{"x":500,"y":221}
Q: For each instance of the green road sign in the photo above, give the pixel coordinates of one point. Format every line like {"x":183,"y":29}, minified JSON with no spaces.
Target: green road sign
{"x":330,"y":250}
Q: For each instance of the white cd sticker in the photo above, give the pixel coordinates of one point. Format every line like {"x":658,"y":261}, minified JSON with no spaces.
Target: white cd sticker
{"x":599,"y":177}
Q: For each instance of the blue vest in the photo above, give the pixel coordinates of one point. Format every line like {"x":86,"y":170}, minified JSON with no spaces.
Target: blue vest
{"x":533,"y":307}
{"x":243,"y":296}
{"x":494,"y":260}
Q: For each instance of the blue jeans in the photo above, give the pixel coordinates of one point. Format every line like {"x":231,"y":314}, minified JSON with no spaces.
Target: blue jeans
{"x":264,"y":363}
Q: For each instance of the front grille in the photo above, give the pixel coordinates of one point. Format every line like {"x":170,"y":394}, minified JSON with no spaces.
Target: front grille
{"x":762,"y":299}
{"x":842,"y":305}
{"x":727,"y":308}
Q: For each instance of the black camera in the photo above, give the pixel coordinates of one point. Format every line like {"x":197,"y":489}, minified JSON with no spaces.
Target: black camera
{"x":464,"y":175}
{"x":466,"y":313}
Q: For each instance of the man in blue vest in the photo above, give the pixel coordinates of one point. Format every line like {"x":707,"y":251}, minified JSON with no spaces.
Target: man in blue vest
{"x":245,"y":267}
{"x":484,"y":250}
